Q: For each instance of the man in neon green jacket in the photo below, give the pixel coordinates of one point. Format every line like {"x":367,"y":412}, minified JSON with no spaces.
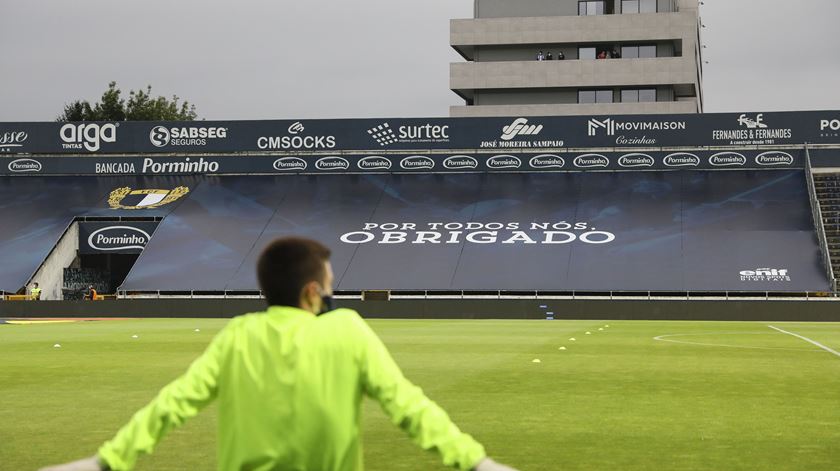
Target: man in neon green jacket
{"x":290,"y":384}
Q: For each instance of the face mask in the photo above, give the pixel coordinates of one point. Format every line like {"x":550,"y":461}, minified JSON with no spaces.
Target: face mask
{"x":326,"y":304}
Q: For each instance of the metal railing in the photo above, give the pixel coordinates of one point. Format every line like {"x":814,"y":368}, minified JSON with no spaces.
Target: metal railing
{"x":819,"y":227}
{"x":489,"y":294}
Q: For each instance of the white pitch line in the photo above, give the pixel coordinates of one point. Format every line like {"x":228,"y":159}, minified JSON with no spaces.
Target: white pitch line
{"x":814,"y":342}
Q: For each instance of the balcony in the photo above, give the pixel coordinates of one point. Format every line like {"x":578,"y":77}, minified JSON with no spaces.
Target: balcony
{"x":466,"y":34}
{"x":659,"y":107}
{"x":469,"y":76}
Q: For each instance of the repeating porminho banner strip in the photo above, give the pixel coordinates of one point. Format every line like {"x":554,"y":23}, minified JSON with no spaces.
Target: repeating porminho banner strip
{"x":406,"y":163}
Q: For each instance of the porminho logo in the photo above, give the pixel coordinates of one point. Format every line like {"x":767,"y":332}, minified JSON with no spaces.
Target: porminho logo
{"x":87,"y":135}
{"x":286,"y":164}
{"x":727,"y":159}
{"x":503,"y":161}
{"x":183,"y":166}
{"x":591,"y":161}
{"x":547,"y":161}
{"x":635,"y":160}
{"x":374,"y":162}
{"x":118,"y":238}
{"x":457,"y":162}
{"x":681,"y":159}
{"x":774,"y":158}
{"x":520,"y":127}
{"x":417,"y":162}
{"x":332,"y":163}
{"x":24,"y":165}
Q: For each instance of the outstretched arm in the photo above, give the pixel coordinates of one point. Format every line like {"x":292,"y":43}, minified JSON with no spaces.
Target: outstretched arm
{"x":426,"y":423}
{"x":179,"y":400}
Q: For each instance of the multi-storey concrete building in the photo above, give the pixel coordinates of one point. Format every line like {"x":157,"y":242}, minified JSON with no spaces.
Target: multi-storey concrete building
{"x":618,"y":57}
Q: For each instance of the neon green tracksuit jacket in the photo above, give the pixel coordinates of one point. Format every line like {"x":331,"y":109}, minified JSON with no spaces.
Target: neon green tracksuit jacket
{"x":290,"y":387}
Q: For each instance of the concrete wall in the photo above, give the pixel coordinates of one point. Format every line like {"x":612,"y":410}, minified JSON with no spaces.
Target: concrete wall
{"x":528,"y":96}
{"x":518,"y":8}
{"x":574,"y":30}
{"x":50,"y":276}
{"x":669,"y":107}
{"x":575,"y":73}
{"x":733,"y":310}
{"x":524,"y":8}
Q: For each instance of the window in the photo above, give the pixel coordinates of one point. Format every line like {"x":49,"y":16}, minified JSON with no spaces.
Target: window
{"x":586,"y":96}
{"x":643,"y":95}
{"x":633,"y":52}
{"x":647,"y":51}
{"x":638,"y":6}
{"x":647,"y":6}
{"x":595,"y":96}
{"x":591,"y":8}
{"x":630,"y":52}
{"x":603,"y":96}
{"x":586,"y":53}
{"x":647,"y":95}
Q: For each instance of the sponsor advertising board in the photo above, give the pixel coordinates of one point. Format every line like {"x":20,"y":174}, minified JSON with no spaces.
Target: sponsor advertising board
{"x":114,"y":237}
{"x":508,"y":134}
{"x":379,"y":163}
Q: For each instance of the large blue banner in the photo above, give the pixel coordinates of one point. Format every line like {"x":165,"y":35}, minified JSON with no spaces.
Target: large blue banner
{"x":583,"y":232}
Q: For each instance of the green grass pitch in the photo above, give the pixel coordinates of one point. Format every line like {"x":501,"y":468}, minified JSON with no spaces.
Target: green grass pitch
{"x":707,"y":396}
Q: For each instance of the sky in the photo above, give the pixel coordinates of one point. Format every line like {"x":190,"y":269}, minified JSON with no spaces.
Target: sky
{"x":261,"y":59}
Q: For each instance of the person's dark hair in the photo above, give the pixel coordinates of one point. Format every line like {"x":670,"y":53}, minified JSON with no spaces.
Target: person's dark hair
{"x":287,"y":265}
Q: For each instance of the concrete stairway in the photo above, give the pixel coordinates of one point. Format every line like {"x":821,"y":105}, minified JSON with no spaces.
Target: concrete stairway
{"x":827,"y":186}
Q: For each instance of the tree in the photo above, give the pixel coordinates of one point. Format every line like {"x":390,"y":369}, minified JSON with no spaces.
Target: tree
{"x":141,"y":106}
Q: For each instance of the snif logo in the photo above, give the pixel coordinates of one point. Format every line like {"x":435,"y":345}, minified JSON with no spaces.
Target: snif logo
{"x":383,"y":134}
{"x":286,"y":164}
{"x":594,"y":125}
{"x":118,"y":238}
{"x":332,"y":163}
{"x":24,"y":165}
{"x":520,"y":127}
{"x":126,"y":198}
{"x":87,"y":135}
{"x":765,"y":274}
